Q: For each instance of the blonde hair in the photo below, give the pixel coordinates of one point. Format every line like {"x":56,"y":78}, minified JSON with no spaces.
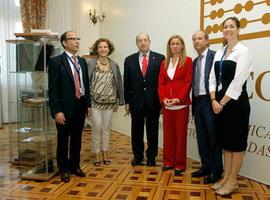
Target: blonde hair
{"x":183,"y":53}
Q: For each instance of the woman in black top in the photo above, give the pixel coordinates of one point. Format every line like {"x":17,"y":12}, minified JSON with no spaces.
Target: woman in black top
{"x":229,"y":98}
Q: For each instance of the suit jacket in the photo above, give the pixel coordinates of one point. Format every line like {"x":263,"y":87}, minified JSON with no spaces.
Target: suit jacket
{"x":208,"y":65}
{"x":178,"y":87}
{"x":142,"y":92}
{"x":116,"y":74}
{"x":62,"y":88}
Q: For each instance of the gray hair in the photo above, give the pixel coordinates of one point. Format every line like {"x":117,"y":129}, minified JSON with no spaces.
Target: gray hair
{"x":142,"y":34}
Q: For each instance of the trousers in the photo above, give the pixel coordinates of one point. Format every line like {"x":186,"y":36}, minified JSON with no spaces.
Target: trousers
{"x":101,"y":126}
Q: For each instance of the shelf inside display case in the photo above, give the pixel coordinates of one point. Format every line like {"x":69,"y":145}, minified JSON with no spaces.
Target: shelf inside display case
{"x":35,"y":101}
{"x":17,"y":161}
{"x":27,"y":130}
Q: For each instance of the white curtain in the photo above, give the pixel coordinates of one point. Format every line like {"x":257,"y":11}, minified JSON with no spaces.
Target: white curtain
{"x":10,"y":23}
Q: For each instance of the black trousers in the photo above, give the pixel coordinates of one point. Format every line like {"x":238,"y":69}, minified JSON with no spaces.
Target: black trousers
{"x":69,"y":137}
{"x":138,"y":119}
{"x":209,"y":148}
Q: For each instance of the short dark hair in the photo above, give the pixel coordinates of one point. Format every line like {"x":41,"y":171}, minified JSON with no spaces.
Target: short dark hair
{"x":95,"y":46}
{"x":64,"y":37}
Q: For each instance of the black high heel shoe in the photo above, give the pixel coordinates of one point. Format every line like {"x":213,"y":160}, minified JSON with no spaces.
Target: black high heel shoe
{"x":106,"y":162}
{"x":165,"y":168}
{"x":96,"y":163}
{"x":177,"y":172}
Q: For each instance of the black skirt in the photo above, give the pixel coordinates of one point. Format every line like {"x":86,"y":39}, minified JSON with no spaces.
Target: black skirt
{"x":233,"y":123}
{"x":233,"y":120}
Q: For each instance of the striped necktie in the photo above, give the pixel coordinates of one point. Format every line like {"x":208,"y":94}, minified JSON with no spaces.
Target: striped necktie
{"x":77,"y":78}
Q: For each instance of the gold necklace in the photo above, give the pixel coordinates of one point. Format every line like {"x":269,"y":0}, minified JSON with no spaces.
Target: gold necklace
{"x":104,"y":64}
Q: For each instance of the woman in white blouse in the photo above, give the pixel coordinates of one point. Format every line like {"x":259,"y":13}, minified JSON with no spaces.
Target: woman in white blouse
{"x":229,"y":98}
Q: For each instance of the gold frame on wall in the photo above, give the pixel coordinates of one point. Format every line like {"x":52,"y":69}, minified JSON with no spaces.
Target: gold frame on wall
{"x":239,"y":6}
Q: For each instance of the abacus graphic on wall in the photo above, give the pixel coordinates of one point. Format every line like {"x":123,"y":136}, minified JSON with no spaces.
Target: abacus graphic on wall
{"x":254,"y":17}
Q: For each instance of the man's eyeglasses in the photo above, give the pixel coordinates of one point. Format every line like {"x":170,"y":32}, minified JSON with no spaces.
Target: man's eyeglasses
{"x":73,"y":38}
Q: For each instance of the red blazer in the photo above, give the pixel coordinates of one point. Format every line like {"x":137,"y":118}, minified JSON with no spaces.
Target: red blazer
{"x":179,"y":87}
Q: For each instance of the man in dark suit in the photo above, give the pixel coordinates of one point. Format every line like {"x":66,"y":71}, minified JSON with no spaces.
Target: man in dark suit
{"x":209,"y":150}
{"x":69,"y":100}
{"x":141,"y":72}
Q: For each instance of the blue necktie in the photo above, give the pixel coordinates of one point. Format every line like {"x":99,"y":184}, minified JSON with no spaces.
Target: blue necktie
{"x":198,"y":76}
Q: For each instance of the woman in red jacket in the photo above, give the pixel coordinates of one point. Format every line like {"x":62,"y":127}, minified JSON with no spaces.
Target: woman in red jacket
{"x":175,"y":79}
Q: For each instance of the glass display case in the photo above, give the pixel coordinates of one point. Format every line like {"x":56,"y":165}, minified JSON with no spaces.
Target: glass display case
{"x":32,"y":134}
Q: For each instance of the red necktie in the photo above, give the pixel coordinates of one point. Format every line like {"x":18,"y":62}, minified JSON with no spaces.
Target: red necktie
{"x":144,"y":65}
{"x":76,"y":78}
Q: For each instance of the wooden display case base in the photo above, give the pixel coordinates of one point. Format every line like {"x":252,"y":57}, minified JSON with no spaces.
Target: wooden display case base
{"x":29,"y":175}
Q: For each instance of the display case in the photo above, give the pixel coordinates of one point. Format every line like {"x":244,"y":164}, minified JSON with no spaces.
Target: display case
{"x":32,"y":134}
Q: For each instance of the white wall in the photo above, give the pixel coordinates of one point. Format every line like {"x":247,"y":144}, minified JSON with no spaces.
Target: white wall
{"x":10,"y":23}
{"x":63,"y":15}
{"x":163,"y":18}
{"x":125,"y":19}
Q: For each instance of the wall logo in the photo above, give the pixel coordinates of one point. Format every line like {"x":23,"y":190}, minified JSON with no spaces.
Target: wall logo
{"x":254,"y":17}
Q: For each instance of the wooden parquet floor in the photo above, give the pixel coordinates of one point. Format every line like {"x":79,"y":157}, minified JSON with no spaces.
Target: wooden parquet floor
{"x":118,"y":181}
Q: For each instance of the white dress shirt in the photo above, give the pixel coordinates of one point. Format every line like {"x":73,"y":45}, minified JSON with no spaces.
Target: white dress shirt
{"x":240,"y":55}
{"x":202,"y":85}
{"x":141,"y":58}
{"x":72,"y":67}
{"x":171,"y":69}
